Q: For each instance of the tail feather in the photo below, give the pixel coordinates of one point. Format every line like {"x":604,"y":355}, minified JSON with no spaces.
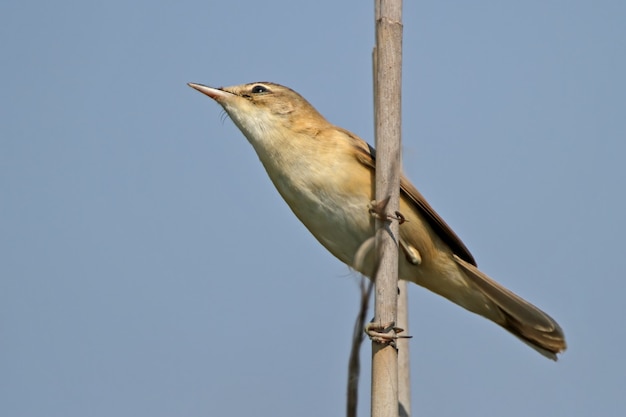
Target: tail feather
{"x":524,"y":320}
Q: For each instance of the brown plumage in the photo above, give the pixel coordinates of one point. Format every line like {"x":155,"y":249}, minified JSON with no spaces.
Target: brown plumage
{"x":326,"y":176}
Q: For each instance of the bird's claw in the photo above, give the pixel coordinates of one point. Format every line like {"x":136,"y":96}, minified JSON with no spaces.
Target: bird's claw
{"x":378,"y":210}
{"x":384,"y":333}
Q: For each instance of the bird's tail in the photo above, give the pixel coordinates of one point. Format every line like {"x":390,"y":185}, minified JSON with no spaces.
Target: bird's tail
{"x":524,"y":320}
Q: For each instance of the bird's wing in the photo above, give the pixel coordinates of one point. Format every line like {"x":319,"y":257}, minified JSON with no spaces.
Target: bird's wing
{"x":435,"y":221}
{"x":367,"y":155}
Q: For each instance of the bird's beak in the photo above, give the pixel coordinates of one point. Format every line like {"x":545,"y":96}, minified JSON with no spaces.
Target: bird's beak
{"x":215,"y":93}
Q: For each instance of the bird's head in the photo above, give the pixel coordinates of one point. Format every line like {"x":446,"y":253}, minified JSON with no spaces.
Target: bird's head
{"x":264,"y":110}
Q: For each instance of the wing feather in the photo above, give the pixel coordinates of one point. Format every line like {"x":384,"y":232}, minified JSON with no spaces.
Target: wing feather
{"x":367,"y":156}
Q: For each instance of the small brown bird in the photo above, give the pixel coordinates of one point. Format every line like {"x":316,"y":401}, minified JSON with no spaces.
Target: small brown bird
{"x":326,"y":176}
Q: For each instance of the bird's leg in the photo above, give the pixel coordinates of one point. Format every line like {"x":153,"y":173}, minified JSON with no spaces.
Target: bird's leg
{"x":411,"y":253}
{"x":385,"y":333}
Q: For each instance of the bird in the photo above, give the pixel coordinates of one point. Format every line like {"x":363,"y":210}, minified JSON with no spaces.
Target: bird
{"x":325,"y":174}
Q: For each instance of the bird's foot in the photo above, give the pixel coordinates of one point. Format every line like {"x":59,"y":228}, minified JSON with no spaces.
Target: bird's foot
{"x":384,"y":333}
{"x":378,"y":210}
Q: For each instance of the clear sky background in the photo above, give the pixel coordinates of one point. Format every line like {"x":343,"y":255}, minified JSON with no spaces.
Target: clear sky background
{"x":149,"y":268}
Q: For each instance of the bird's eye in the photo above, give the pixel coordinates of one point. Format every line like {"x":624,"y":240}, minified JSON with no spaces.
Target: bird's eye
{"x":257,"y":89}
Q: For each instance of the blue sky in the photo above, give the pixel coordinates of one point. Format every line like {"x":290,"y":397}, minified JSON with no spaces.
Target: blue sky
{"x":148,"y":267}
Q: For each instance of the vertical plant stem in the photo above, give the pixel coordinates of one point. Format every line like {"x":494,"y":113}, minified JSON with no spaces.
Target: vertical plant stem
{"x":387,"y":107}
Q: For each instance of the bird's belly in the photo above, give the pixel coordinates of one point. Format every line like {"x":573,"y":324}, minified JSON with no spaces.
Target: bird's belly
{"x":341,"y":225}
